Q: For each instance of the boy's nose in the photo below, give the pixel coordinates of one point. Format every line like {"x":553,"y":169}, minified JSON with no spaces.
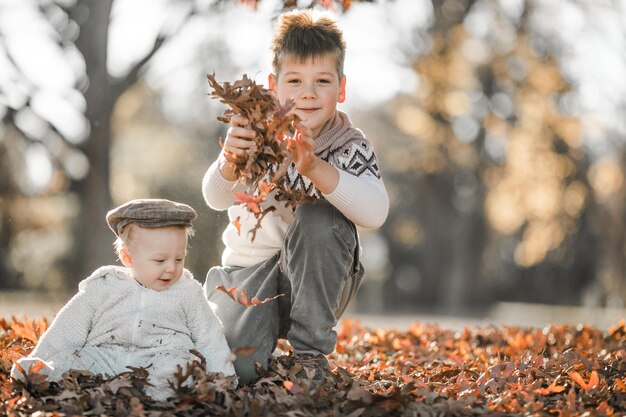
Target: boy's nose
{"x":308,"y":91}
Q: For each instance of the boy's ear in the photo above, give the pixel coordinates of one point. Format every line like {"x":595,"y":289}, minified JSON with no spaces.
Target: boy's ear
{"x":342,"y":90}
{"x":125,"y":257}
{"x":271,"y":79}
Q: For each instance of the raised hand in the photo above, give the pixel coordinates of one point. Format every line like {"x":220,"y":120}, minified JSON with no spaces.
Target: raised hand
{"x":324,"y":176}
{"x":237,"y":145}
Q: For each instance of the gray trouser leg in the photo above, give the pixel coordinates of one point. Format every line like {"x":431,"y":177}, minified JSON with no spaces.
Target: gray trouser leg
{"x":317,"y":269}
{"x":247,"y":326}
{"x":320,"y":259}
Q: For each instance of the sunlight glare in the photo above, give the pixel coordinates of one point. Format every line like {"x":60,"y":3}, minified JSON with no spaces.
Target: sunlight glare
{"x":39,"y":168}
{"x":64,"y":116}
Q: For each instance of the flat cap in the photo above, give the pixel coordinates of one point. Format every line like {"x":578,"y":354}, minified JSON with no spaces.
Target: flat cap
{"x":151,"y":213}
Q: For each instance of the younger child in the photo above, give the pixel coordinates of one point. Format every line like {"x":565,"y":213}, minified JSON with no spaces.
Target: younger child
{"x":151,"y":311}
{"x":310,"y":255}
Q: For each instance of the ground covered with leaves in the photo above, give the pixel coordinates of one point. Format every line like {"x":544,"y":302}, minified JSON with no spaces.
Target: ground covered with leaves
{"x":424,"y":371}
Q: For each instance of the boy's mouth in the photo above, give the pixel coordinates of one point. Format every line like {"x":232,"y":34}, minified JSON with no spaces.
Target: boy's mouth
{"x":308,"y":109}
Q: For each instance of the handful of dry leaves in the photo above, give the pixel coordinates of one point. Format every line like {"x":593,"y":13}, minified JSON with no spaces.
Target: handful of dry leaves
{"x":265,"y":168}
{"x":268,"y":118}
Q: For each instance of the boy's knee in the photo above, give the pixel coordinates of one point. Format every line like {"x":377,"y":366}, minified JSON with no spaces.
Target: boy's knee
{"x":320,"y":224}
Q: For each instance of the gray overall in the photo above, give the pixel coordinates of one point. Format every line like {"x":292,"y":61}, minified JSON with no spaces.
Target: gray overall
{"x":317,"y":269}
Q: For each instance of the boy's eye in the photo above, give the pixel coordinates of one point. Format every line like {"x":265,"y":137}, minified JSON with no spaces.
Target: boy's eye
{"x":324,"y":81}
{"x":293,"y":81}
{"x":159,"y":261}
{"x":179,"y":260}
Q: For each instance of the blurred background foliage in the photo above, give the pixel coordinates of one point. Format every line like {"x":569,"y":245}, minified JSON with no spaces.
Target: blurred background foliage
{"x":504,"y":160}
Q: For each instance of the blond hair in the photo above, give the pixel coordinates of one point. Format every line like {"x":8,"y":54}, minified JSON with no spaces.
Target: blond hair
{"x":305,"y":34}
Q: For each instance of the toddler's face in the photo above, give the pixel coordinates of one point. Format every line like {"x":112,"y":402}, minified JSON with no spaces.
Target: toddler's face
{"x":156,"y":257}
{"x":314,"y":85}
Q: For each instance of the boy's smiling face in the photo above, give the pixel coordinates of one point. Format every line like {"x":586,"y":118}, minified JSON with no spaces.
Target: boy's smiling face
{"x":315,"y":86}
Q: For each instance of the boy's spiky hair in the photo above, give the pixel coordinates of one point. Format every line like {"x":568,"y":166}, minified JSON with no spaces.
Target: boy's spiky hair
{"x":309,"y":33}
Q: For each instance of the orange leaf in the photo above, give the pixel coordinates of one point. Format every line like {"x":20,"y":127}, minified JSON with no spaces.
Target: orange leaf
{"x":37,"y":367}
{"x":407,"y":379}
{"x":241,"y":297}
{"x":619,"y":327}
{"x":552,"y":389}
{"x":620,"y":385}
{"x":264,"y":188}
{"x":30,"y":329}
{"x":288,"y":385}
{"x":251,"y":201}
{"x":237,"y":224}
{"x":244,"y":351}
{"x":592,"y":383}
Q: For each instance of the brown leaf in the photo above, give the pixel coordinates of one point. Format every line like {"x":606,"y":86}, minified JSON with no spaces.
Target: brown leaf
{"x":29,"y":329}
{"x":592,"y":383}
{"x":552,"y":389}
{"x":241,"y":297}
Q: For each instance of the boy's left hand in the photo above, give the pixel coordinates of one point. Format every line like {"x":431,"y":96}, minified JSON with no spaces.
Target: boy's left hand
{"x":302,"y":148}
{"x":324,"y":176}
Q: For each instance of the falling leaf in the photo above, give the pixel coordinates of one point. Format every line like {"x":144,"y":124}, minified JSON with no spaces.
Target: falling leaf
{"x":237,"y":223}
{"x":244,"y":351}
{"x":241,"y":297}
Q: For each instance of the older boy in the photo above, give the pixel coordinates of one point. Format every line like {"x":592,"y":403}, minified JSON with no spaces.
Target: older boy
{"x":312,"y":255}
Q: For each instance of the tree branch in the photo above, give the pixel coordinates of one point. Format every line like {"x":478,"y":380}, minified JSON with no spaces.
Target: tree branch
{"x":133,"y":75}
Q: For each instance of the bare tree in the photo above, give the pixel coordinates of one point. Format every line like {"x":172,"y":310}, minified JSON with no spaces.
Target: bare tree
{"x":101,"y":95}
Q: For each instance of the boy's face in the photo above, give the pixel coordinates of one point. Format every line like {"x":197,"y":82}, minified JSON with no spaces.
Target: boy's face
{"x":314,"y":85}
{"x":156,"y":257}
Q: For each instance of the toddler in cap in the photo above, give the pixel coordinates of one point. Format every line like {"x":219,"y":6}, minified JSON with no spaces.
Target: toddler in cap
{"x":148,"y":312}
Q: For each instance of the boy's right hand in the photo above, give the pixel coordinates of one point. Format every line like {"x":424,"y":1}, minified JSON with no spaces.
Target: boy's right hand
{"x":237,"y":146}
{"x":239,"y":143}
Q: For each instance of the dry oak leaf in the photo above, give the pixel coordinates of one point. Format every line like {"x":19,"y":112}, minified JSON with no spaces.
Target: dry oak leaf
{"x":593,"y":382}
{"x":552,"y":389}
{"x":241,"y":297}
{"x":29,"y":329}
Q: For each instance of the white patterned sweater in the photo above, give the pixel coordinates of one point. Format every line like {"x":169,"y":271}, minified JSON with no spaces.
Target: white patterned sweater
{"x":360,"y":194}
{"x":114,"y":322}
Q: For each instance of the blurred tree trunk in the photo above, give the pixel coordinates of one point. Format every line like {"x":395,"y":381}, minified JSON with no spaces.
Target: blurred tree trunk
{"x":8,"y":191}
{"x":93,"y":245}
{"x":611,"y":266}
{"x":466,"y":225}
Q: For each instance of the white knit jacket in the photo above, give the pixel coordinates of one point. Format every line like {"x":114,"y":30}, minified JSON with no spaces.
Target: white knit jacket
{"x":114,"y":322}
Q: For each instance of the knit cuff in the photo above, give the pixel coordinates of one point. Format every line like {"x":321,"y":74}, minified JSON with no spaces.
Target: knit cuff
{"x":214,"y":179}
